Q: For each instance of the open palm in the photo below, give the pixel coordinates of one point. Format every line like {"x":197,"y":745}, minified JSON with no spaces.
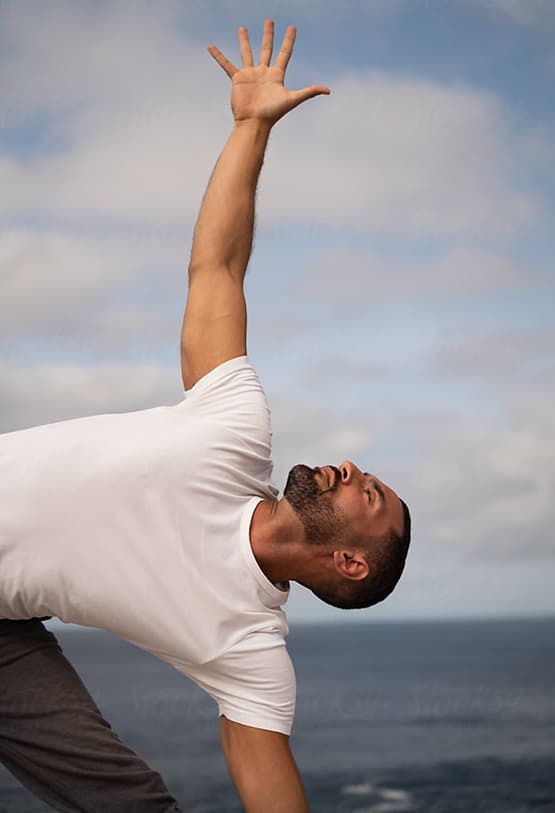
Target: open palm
{"x":258,"y":91}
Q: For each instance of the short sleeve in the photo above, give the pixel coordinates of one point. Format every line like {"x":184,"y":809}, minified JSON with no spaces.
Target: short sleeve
{"x":253,"y":683}
{"x":232,"y":393}
{"x":212,"y":380}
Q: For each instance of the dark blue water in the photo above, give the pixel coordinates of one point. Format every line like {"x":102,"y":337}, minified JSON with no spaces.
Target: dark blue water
{"x":424,"y":717}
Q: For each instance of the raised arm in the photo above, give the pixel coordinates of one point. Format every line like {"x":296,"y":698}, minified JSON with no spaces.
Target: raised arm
{"x":215,"y":323}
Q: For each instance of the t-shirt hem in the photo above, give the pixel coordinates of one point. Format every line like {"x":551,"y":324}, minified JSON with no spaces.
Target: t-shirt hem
{"x":255,"y":721}
{"x":226,"y":366}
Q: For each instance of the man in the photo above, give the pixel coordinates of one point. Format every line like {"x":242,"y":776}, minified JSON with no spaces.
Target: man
{"x":163,"y":526}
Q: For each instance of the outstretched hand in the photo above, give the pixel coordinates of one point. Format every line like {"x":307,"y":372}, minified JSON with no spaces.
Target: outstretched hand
{"x":257,"y":91}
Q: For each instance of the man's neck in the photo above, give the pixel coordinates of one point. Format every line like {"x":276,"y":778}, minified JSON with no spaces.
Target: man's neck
{"x":275,"y":530}
{"x":278,"y":544}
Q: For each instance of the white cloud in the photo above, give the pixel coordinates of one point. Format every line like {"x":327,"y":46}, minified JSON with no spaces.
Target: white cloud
{"x":32,"y":396}
{"x":142,"y":114}
{"x":393,"y":154}
{"x":486,"y":489}
{"x":119,"y":91}
{"x":72,"y":288}
{"x":63,"y":55}
{"x":343,"y":276}
{"x":498,"y":354}
{"x":314,"y":436}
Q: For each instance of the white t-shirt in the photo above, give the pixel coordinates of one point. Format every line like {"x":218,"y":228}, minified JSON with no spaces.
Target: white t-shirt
{"x":138,"y":523}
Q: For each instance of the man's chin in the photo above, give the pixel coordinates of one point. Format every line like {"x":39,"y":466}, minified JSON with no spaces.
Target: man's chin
{"x":300,"y":475}
{"x":301,"y":488}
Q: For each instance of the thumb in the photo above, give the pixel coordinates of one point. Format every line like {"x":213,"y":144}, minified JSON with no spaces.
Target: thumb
{"x":300,"y":96}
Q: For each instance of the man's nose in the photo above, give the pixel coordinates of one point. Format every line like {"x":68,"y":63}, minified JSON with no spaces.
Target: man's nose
{"x":348,"y":469}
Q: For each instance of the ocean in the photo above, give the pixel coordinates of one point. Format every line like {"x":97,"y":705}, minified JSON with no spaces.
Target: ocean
{"x":427,"y":717}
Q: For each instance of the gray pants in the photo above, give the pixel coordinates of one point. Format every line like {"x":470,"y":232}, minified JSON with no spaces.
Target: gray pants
{"x":53,"y":738}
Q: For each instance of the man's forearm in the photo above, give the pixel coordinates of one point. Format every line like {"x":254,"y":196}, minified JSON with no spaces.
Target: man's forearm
{"x":263,"y":769}
{"x":224,"y":230}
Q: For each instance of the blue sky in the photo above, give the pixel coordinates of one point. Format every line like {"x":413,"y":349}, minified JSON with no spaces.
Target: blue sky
{"x":401,"y":288}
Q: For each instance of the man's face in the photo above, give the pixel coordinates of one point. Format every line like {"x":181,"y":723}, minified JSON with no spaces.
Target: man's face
{"x":342,"y":504}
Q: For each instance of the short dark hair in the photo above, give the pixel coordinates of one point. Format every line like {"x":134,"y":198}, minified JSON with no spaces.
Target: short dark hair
{"x":386,"y":557}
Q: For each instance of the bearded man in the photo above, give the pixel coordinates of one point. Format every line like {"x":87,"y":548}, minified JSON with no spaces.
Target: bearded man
{"x":163,"y":526}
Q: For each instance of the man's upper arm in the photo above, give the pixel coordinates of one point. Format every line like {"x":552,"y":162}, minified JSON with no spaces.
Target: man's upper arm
{"x":215,"y":323}
{"x":263,"y":769}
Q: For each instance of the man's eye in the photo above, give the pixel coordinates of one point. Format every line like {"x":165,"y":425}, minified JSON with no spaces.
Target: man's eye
{"x":367,"y":490}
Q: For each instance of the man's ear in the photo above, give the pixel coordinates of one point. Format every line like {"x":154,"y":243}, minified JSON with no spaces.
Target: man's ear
{"x":351,"y":564}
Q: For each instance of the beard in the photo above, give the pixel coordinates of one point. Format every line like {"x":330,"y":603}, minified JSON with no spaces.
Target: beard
{"x":321,"y":520}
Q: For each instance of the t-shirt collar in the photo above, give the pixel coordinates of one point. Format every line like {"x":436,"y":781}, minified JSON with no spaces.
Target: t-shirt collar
{"x":274,"y":596}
